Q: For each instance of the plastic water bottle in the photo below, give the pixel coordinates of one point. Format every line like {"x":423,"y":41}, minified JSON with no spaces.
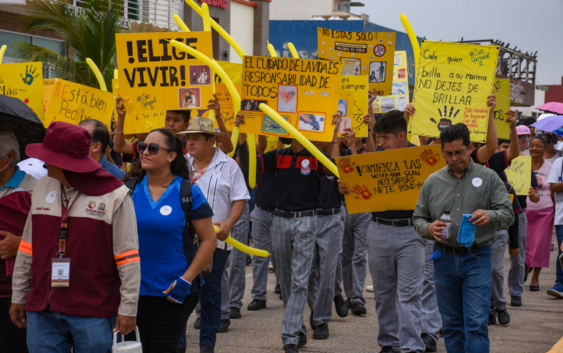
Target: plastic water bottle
{"x":446,"y":219}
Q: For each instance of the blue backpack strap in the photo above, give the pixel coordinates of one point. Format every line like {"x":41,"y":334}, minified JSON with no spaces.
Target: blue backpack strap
{"x":188,"y":235}
{"x":131,"y":183}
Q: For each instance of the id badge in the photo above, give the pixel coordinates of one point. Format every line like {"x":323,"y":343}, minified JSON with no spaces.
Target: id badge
{"x":60,"y":273}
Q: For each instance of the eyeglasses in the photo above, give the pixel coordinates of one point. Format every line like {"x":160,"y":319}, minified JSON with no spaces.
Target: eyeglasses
{"x":548,"y":141}
{"x":458,"y":154}
{"x":523,"y":137}
{"x":153,"y":148}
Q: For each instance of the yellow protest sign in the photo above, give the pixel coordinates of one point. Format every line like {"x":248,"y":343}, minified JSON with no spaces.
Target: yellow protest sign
{"x":502,"y":92}
{"x":360,"y":86}
{"x":47,"y":90}
{"x":304,"y":92}
{"x":361,"y":53}
{"x":233,"y":70}
{"x":72,"y":102}
{"x":389,"y":180}
{"x":226,"y":102}
{"x":453,"y":81}
{"x":519,"y":174}
{"x":400,"y":93}
{"x":24,"y":81}
{"x":156,"y":76}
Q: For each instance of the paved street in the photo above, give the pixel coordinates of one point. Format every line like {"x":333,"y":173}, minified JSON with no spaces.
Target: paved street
{"x":534,"y":327}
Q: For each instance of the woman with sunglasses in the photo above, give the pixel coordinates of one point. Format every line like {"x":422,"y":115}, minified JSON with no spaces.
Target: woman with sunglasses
{"x":540,"y":215}
{"x":551,"y":154}
{"x":170,"y":265}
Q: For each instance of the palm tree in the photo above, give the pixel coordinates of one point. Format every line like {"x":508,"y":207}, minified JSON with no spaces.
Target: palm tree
{"x":89,"y":32}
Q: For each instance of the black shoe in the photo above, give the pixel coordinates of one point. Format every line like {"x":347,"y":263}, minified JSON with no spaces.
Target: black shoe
{"x":526,"y":276}
{"x":224,"y":327}
{"x":441,"y":332}
{"x":257,"y":304}
{"x":429,"y":343}
{"x":311,"y":323}
{"x":235,"y":313}
{"x":534,"y":288}
{"x":341,"y":306}
{"x":206,"y":349}
{"x":281,"y":297}
{"x":492,"y":318}
{"x":321,"y":332}
{"x":291,"y":348}
{"x":197,"y":324}
{"x":358,"y":308}
{"x":277,"y":290}
{"x":516,"y":300}
{"x":388,"y":349}
{"x":503,"y":317}
{"x":302,"y":340}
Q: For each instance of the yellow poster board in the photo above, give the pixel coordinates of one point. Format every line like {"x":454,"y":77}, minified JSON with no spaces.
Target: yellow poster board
{"x":452,"y":85}
{"x":47,"y":90}
{"x":400,"y":95}
{"x":233,"y":70}
{"x":519,"y":174}
{"x":502,"y":92}
{"x":305,"y":92}
{"x":360,"y":86}
{"x":24,"y":81}
{"x":227,"y":109}
{"x":72,"y":102}
{"x":388,"y":180}
{"x":361,"y":53}
{"x":157,"y":76}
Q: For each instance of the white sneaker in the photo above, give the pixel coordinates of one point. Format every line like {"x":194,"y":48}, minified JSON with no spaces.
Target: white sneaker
{"x":369,"y":288}
{"x":271,"y":267}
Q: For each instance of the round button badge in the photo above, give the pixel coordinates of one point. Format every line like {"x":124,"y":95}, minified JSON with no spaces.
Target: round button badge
{"x":165,"y":210}
{"x":477,"y":182}
{"x":52,"y":196}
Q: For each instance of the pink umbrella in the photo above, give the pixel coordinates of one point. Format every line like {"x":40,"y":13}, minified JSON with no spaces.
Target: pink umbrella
{"x":552,"y":107}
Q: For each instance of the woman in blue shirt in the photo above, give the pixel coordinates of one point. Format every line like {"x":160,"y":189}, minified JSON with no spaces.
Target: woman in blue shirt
{"x":170,"y":266}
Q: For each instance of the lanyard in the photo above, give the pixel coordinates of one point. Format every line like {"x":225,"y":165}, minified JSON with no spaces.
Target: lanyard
{"x":198,"y":175}
{"x":65,"y":210}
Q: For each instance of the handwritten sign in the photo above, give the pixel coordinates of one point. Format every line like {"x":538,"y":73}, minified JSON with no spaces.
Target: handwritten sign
{"x":361,"y":53}
{"x":305,"y":92}
{"x":502,"y":92}
{"x":389,"y":180}
{"x":72,"y":103}
{"x":24,"y":81}
{"x":519,"y":174}
{"x":359,"y":85}
{"x":399,"y":97}
{"x":452,"y":85}
{"x":157,"y":76}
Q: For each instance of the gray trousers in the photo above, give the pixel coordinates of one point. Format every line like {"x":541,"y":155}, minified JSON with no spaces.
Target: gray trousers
{"x":498,"y":301}
{"x":293,"y":245}
{"x":235,"y":283}
{"x":396,"y":263}
{"x":517,"y":263}
{"x":431,"y":320}
{"x":261,"y":225}
{"x":351,"y":269}
{"x":323,"y":270}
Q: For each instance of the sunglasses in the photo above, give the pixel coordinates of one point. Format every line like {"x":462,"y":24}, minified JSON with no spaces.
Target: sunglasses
{"x":153,"y":148}
{"x":523,"y":137}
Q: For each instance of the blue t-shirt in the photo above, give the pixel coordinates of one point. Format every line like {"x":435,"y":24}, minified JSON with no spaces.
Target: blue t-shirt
{"x":160,"y":226}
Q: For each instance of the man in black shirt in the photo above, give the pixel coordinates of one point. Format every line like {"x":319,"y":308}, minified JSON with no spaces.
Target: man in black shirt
{"x":396,"y":257}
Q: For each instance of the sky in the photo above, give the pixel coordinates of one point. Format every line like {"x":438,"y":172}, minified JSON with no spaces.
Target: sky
{"x":532,"y":25}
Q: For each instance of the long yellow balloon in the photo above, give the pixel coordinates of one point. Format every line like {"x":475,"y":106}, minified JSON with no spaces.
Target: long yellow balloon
{"x":251,"y":160}
{"x":413,"y":39}
{"x":272,"y":51}
{"x":98,"y":74}
{"x":244,"y":248}
{"x":219,"y":30}
{"x":181,"y":23}
{"x":115,"y":74}
{"x":299,"y":137}
{"x":2,"y":51}
{"x":293,"y":51}
{"x":207,"y":28}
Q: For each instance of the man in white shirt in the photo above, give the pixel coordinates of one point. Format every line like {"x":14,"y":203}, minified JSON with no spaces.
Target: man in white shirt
{"x":222,"y":183}
{"x":556,"y":186}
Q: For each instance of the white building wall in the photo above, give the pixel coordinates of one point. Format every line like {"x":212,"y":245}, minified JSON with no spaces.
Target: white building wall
{"x":242,"y":29}
{"x":299,"y":9}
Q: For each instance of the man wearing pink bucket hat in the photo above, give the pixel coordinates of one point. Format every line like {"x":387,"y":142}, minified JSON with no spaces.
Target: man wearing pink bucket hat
{"x":78,"y":265}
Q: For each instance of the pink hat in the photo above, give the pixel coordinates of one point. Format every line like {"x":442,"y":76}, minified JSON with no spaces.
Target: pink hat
{"x":523,"y":130}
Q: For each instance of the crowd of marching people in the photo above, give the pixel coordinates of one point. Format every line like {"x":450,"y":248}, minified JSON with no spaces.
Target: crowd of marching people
{"x":104,"y":233}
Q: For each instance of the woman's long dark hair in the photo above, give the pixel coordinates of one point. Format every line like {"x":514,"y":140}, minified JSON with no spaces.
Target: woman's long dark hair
{"x":179,"y":166}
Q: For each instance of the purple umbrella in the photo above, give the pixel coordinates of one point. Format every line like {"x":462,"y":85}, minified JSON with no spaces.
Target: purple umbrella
{"x":549,"y":124}
{"x":552,"y":107}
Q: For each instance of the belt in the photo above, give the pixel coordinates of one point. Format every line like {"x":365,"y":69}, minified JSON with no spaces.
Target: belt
{"x":393,"y":222}
{"x":462,"y":250}
{"x":285,"y":214}
{"x":266,"y":209}
{"x":328,"y":211}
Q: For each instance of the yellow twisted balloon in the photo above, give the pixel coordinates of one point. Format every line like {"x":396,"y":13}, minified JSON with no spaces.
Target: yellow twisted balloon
{"x":2,"y":51}
{"x":293,"y":50}
{"x":244,"y":248}
{"x":413,"y":39}
{"x":98,"y":74}
{"x":181,"y":23}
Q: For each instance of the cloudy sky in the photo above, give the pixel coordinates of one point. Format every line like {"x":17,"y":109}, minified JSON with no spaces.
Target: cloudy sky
{"x":530,"y":25}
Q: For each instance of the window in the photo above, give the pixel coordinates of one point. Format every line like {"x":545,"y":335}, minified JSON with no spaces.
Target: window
{"x":339,"y":7}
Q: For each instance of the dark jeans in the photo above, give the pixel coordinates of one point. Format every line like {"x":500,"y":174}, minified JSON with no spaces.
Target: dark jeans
{"x":161,"y":323}
{"x":463,"y":288}
{"x":12,"y":338}
{"x":559,"y":233}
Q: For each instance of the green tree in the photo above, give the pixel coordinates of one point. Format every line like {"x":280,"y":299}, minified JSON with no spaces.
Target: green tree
{"x":89,"y":32}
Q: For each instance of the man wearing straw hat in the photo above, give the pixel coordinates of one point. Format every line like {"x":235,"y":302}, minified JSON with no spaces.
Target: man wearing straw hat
{"x":78,"y":265}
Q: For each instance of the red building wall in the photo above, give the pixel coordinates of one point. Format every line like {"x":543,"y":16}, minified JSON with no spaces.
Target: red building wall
{"x":554,"y":93}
